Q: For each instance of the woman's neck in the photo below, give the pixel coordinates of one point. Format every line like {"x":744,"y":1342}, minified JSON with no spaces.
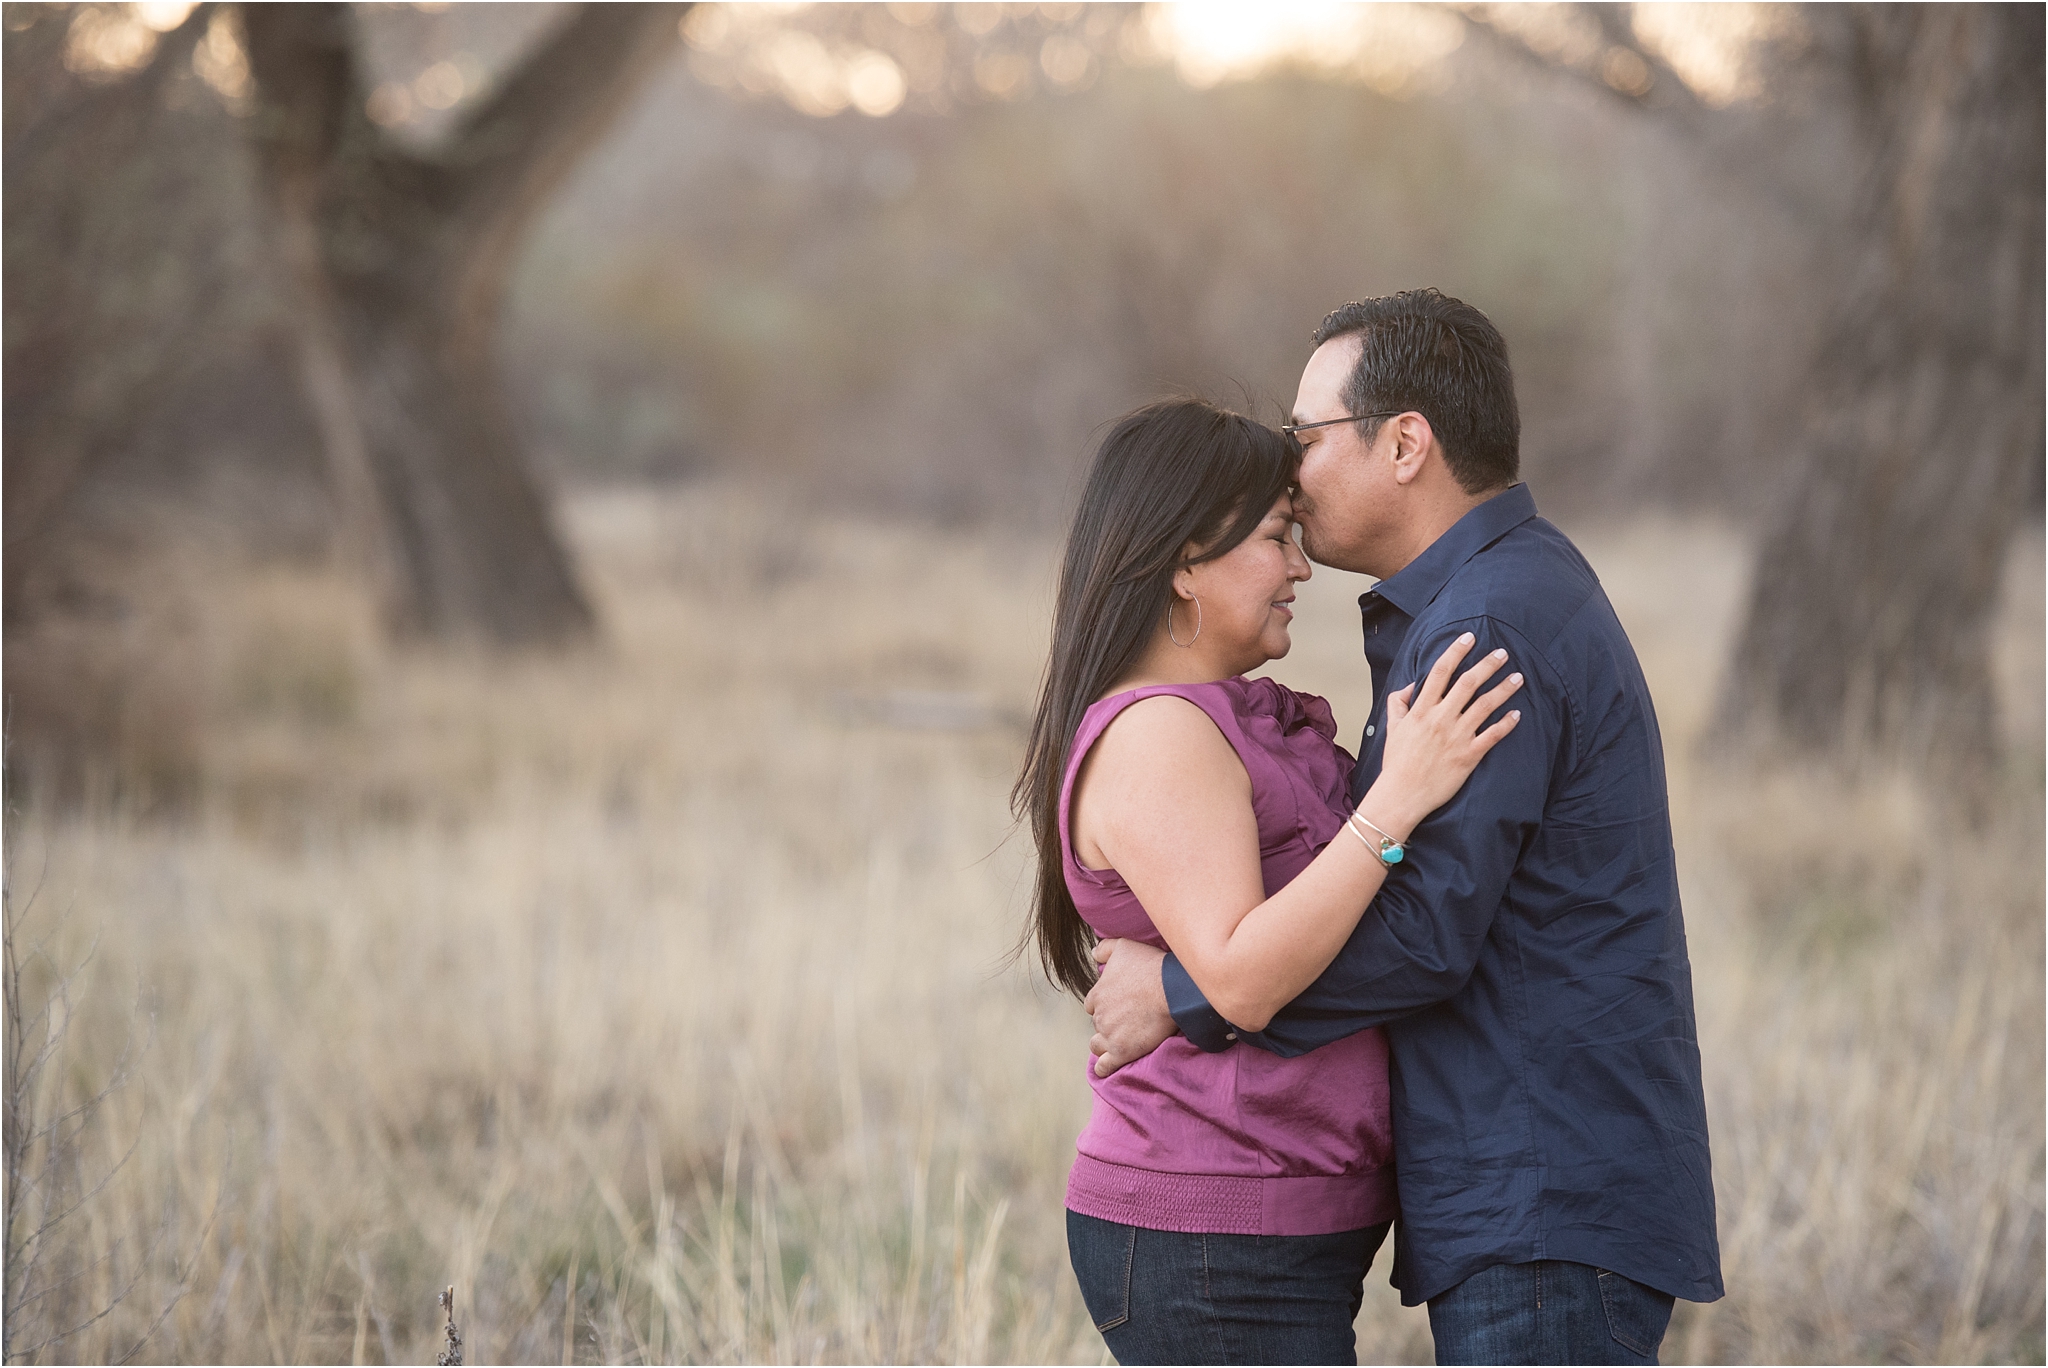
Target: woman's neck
{"x":1167,"y":662}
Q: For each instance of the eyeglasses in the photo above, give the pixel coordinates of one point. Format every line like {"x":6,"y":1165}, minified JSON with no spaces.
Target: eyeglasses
{"x":1291,"y":428}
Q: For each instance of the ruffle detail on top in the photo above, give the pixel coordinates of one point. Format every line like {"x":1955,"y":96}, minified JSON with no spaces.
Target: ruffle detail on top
{"x":1301,"y":728}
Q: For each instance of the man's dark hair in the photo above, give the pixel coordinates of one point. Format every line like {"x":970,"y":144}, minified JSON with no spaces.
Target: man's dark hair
{"x":1442,"y":358}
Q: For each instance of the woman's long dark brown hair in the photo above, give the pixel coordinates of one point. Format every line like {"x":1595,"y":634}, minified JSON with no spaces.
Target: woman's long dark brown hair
{"x":1168,"y":476}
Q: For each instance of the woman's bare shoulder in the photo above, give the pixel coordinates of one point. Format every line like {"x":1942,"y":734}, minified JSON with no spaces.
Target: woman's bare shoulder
{"x":1165,"y":735}
{"x":1161,"y":755}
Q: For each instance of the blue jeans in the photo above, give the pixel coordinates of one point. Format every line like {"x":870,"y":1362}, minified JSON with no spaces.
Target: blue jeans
{"x":1159,"y":1296}
{"x":1548,"y":1312}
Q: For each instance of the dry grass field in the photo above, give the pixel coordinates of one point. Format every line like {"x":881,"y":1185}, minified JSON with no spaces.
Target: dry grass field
{"x":656,"y":998}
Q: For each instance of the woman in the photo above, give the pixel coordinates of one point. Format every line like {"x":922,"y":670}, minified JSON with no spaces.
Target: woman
{"x":1222,"y":1208}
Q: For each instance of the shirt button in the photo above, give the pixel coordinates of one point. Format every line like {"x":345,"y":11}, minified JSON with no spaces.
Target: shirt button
{"x":1230,"y":1035}
{"x":1368,"y":730}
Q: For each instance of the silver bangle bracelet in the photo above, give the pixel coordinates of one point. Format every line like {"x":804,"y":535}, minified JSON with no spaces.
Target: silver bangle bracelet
{"x":1389,"y":850}
{"x":1376,"y":831}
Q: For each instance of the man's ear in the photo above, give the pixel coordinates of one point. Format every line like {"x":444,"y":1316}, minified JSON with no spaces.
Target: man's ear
{"x":1414,"y":445}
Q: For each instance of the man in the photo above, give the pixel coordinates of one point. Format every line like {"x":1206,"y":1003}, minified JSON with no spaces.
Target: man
{"x":1527,"y":957}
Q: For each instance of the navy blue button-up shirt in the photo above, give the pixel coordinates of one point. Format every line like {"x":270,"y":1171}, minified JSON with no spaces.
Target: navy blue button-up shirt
{"x":1528,"y":957}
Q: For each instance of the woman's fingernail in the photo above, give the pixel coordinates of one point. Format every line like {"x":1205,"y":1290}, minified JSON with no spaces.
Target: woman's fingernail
{"x":1500,"y":655}
{"x":1514,"y":679}
{"x":1515,"y":716}
{"x":1465,"y":640}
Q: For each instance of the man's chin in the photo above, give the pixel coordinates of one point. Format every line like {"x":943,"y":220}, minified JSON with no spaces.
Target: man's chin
{"x":1333,"y":557}
{"x":1312,"y":547}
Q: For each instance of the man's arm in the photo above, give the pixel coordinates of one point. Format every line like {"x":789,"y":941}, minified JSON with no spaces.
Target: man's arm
{"x":1419,"y":940}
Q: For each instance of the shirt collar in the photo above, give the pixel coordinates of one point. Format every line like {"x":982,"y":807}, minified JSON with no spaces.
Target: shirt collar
{"x":1414,"y":585}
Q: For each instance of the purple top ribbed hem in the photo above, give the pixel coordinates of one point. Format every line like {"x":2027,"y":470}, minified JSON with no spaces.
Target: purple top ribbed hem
{"x":1219,"y":1204}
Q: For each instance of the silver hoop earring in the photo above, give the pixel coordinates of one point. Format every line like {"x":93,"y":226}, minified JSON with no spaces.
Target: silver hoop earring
{"x":1198,"y":623}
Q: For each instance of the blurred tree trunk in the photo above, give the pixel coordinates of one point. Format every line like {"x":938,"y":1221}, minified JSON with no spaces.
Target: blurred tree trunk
{"x":88,"y":298}
{"x":1868,"y":625}
{"x":1869,"y":621}
{"x":399,"y":262}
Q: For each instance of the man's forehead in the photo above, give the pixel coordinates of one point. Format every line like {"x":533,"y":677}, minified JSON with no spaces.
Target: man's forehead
{"x":1322,"y":380}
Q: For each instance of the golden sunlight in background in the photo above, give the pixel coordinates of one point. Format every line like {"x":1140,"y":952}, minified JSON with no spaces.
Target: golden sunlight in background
{"x":1389,"y":46}
{"x":1386,"y":46}
{"x":116,"y":39}
{"x":754,"y":48}
{"x":1712,"y":46}
{"x":767,"y":49}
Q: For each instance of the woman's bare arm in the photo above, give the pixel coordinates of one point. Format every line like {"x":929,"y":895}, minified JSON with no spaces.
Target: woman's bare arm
{"x":1164,"y":800}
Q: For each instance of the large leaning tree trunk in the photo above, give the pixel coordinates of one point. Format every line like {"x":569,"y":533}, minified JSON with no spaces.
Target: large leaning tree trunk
{"x":1867,"y":629}
{"x":399,"y":261}
{"x":1869,"y":623}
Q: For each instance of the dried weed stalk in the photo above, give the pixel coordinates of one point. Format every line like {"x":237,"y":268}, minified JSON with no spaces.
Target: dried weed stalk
{"x":452,"y":1355}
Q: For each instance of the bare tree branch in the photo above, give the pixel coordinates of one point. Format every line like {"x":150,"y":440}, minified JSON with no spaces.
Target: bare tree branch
{"x":36,"y":1149}
{"x":521,"y":141}
{"x":1604,"y":54}
{"x":1615,"y":62}
{"x":1659,"y":88}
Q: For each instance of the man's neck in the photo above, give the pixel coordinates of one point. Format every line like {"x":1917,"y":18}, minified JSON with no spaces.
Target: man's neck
{"x":1430,"y":522}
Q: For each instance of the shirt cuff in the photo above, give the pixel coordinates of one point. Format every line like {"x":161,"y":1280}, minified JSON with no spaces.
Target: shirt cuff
{"x":1198,"y":1021}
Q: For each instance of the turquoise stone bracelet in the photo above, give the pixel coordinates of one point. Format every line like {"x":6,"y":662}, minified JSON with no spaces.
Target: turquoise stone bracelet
{"x":1389,"y":850}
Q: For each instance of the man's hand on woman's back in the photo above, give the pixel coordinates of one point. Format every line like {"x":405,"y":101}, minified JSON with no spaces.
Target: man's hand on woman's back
{"x":1128,"y":1003}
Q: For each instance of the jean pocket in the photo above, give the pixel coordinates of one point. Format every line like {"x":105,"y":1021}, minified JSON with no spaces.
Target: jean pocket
{"x":1102,"y":1253}
{"x":1637,"y":1316}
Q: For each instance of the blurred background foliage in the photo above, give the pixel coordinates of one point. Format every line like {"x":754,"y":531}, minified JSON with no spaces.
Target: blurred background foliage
{"x":909,"y":258}
{"x":932,"y":313}
{"x":933,"y":309}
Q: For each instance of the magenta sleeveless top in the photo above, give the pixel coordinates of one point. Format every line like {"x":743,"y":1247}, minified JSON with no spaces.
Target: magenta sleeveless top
{"x":1242,"y":1142}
